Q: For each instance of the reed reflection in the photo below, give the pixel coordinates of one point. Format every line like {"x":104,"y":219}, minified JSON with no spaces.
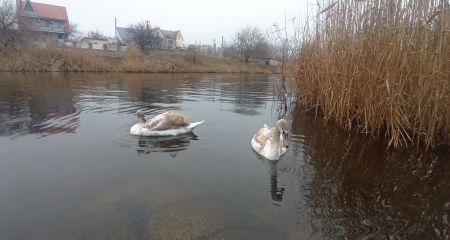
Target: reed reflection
{"x":360,"y":190}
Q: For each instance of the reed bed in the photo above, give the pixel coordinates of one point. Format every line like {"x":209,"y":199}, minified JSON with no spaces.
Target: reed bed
{"x":381,"y":67}
{"x":133,"y":60}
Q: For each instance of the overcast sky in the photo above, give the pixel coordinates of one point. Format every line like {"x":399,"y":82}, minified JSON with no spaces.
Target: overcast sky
{"x":200,"y":21}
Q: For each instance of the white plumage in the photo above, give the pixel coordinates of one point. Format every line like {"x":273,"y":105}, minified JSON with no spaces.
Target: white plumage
{"x":271,"y":143}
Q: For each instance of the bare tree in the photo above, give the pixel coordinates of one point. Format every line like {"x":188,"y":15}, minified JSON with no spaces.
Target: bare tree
{"x":144,"y":36}
{"x":246,"y":41}
{"x":10,"y":36}
{"x":96,"y":35}
{"x":263,"y":49}
{"x":75,"y":35}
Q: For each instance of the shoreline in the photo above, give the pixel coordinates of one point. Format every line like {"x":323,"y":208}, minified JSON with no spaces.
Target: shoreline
{"x":66,"y":60}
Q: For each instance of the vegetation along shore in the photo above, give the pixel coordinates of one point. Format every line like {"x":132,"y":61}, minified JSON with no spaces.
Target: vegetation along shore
{"x":379,"y":67}
{"x":133,"y":60}
{"x":44,"y":40}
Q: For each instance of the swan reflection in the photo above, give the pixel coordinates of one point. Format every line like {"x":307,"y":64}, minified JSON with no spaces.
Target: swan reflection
{"x":275,"y":191}
{"x":166,"y":144}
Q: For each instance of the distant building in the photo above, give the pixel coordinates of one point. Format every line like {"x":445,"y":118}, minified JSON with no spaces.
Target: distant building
{"x":93,"y":43}
{"x":268,"y":61}
{"x":124,"y":36}
{"x":47,"y":22}
{"x":168,"y":39}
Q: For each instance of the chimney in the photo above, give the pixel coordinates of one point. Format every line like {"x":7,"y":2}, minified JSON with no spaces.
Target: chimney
{"x":19,"y":6}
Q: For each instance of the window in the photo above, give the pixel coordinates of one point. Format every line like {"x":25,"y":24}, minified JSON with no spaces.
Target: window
{"x":44,"y":23}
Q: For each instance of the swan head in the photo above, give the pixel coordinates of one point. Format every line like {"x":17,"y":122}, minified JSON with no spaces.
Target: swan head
{"x":283,"y":127}
{"x":141,"y":115}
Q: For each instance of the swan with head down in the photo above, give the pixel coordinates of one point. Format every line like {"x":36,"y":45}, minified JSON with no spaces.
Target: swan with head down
{"x":169,"y":123}
{"x":272,"y":143}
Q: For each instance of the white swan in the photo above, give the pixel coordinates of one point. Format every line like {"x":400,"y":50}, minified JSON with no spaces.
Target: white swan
{"x":271,"y":143}
{"x":169,"y":123}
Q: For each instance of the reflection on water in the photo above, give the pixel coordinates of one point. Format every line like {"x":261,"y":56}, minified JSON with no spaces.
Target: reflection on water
{"x":275,"y":190}
{"x":69,"y":169}
{"x":168,"y":144}
{"x":52,"y":104}
{"x":25,"y":109}
{"x":359,"y":190}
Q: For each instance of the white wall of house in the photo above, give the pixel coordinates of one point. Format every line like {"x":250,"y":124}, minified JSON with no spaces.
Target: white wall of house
{"x":179,"y":41}
{"x":97,"y":44}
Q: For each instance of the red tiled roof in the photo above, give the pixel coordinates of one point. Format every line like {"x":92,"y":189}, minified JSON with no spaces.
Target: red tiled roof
{"x":49,"y":11}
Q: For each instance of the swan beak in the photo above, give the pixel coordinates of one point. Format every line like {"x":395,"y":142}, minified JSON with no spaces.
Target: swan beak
{"x":285,"y":139}
{"x":286,"y":143}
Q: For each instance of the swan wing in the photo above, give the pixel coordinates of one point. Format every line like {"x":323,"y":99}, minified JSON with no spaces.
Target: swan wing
{"x":167,"y":120}
{"x":262,"y":137}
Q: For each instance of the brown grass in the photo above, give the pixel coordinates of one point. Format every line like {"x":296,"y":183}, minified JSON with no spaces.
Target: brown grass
{"x":78,"y":60}
{"x":381,"y":67}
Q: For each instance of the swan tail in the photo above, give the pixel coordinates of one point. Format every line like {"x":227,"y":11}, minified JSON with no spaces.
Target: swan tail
{"x":194,"y":125}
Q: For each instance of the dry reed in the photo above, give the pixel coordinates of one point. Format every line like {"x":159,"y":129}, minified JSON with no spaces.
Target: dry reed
{"x":133,"y":60}
{"x":381,"y":67}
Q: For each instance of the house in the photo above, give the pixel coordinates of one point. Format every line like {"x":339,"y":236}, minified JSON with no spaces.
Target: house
{"x":46,"y":22}
{"x":168,"y":39}
{"x":268,"y":61}
{"x":94,"y":43}
{"x":124,"y":38}
{"x":102,"y":44}
{"x":124,"y":35}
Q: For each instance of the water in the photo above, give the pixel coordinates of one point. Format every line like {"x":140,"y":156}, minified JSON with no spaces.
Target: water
{"x":69,"y":168}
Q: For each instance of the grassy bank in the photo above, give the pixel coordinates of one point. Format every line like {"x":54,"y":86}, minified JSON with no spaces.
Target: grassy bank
{"x":380,"y":67}
{"x":77,"y":60}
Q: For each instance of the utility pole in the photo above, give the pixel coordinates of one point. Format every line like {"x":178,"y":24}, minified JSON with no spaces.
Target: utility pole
{"x":115,"y":34}
{"x":115,"y":28}
{"x":214,"y":51}
{"x":285,"y":45}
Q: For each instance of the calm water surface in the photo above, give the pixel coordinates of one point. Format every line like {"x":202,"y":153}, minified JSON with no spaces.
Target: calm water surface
{"x":69,"y":168}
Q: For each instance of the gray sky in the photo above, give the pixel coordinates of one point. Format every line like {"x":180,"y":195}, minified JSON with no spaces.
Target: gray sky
{"x":199,"y":20}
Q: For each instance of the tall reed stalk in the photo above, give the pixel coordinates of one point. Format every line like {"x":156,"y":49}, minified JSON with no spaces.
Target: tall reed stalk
{"x":379,"y":66}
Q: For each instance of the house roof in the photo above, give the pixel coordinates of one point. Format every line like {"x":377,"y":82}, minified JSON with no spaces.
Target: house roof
{"x":170,"y":34}
{"x":95,"y":39}
{"x":49,"y":11}
{"x":124,"y":35}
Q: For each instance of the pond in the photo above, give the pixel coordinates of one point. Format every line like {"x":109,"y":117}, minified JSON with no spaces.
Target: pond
{"x":69,"y":169}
